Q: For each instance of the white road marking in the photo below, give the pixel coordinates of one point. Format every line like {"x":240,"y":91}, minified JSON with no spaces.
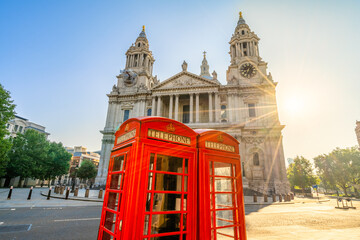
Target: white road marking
{"x":79,"y":219}
{"x":1,"y":223}
{"x":52,"y":208}
{"x":13,"y":209}
{"x":29,"y":227}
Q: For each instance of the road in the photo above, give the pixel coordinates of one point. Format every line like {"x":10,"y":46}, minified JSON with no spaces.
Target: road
{"x":51,"y":223}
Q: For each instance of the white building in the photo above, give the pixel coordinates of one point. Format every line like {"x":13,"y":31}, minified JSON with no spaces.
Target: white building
{"x":20,"y":125}
{"x":245,"y":107}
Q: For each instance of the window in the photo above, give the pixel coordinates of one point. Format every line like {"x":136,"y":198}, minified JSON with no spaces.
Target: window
{"x":8,"y":126}
{"x":186,"y":114}
{"x":242,"y":32}
{"x":149,"y":112}
{"x":126,"y":115}
{"x":223,"y":111}
{"x":244,"y":45}
{"x":251,"y":110}
{"x":256,"y":161}
{"x":20,"y":129}
{"x":245,"y":53}
{"x":243,"y":169}
{"x":16,"y":128}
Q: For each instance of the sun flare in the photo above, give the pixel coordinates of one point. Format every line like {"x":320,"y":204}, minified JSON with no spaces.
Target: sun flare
{"x":295,"y":105}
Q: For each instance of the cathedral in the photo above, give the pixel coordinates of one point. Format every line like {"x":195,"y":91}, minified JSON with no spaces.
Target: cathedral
{"x":245,"y":107}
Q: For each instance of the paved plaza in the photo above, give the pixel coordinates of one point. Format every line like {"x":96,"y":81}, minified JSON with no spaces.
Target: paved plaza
{"x":39,"y":218}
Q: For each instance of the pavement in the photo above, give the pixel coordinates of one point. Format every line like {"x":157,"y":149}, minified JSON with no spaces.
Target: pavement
{"x":305,"y":219}
{"x":19,"y":199}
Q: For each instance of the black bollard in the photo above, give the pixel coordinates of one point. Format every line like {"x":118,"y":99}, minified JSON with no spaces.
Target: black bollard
{"x":76,"y":192}
{"x":67,"y":192}
{"x":49,"y":193}
{"x":100,"y":193}
{"x":255,"y":197}
{"x":265,"y":198}
{"x":280,"y":198}
{"x":30,"y":192}
{"x":10,"y":192}
{"x":274,"y":197}
{"x":87,"y":193}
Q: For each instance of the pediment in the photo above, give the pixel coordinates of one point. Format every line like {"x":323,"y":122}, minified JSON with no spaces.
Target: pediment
{"x":185,"y":80}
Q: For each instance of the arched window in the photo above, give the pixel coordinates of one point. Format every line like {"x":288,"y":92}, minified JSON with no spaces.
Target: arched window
{"x":256,"y":161}
{"x":242,"y":32}
{"x":126,"y":115}
{"x":223,"y":111}
{"x":149,"y":112}
{"x":243,"y":168}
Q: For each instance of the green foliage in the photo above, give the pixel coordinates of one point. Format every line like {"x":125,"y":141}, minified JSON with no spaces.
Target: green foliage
{"x":32,"y":155}
{"x":300,"y":173}
{"x":87,"y":170}
{"x":6,"y":114}
{"x":20,"y":163}
{"x":58,"y":161}
{"x":340,"y":168}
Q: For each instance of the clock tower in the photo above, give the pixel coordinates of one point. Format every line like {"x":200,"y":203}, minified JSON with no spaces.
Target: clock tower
{"x":246,"y":65}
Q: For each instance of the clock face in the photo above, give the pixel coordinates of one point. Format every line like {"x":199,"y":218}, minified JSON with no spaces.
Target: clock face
{"x":247,"y":70}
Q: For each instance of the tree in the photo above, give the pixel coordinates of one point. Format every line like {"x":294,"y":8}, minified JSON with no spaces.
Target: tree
{"x":20,"y":163}
{"x":325,"y":167}
{"x":27,"y":155}
{"x":57,"y":162}
{"x":33,"y":156}
{"x":6,"y":114}
{"x":340,"y":168}
{"x":300,"y":173}
{"x":87,"y":170}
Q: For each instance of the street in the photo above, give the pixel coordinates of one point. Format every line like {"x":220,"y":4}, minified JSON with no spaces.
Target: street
{"x":52,"y":222}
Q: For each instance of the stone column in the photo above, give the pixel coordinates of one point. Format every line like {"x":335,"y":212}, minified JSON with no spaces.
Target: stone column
{"x":210,"y":108}
{"x":230,"y":107}
{"x":197,"y":110}
{"x":171,"y":106}
{"x":159,"y":106}
{"x":191,"y":107}
{"x":217,"y":107}
{"x":241,"y":49}
{"x":176,"y":117}
{"x":153,"y":106}
{"x":236,"y":108}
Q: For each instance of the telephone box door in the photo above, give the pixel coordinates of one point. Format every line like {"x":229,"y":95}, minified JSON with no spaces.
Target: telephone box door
{"x":225,"y":198}
{"x":111,"y":222}
{"x":169,"y":193}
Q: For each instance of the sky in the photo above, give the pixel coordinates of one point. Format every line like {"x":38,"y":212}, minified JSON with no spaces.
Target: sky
{"x":59,"y":59}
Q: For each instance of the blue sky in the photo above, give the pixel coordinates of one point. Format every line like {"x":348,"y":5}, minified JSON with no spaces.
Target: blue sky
{"x":59,"y":59}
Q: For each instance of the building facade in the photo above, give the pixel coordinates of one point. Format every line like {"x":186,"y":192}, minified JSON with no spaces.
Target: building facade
{"x":20,"y":125}
{"x":79,"y":154}
{"x":245,"y":107}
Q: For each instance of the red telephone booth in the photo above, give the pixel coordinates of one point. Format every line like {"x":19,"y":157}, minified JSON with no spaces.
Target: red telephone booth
{"x":221,"y":204}
{"x":151,"y":185}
